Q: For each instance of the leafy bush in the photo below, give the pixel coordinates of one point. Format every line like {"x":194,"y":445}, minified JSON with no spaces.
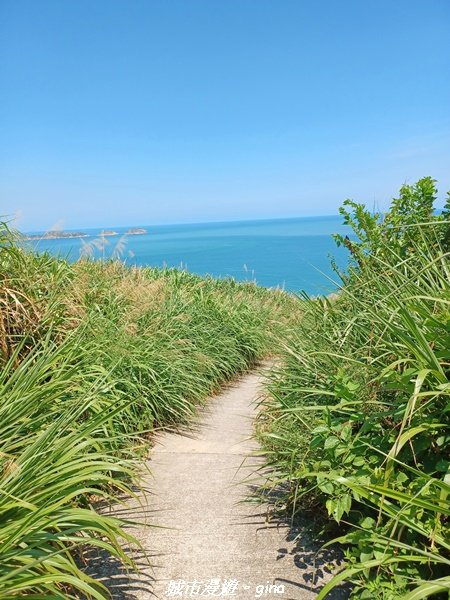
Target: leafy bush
{"x":365,"y":385}
{"x":399,"y":233}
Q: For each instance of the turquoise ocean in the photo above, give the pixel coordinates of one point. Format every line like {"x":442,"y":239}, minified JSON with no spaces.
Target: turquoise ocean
{"x":293,"y":254}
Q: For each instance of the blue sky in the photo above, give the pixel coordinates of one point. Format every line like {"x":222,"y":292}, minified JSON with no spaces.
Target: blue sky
{"x":120,"y":112}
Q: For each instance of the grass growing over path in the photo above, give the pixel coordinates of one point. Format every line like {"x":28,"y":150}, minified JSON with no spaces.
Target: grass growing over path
{"x":357,"y":419}
{"x":93,"y":357}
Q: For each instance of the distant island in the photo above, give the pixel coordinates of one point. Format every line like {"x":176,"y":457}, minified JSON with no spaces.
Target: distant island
{"x":57,"y":235}
{"x":136,"y":231}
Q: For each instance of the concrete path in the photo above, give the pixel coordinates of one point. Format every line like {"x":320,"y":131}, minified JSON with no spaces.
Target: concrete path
{"x":210,"y":542}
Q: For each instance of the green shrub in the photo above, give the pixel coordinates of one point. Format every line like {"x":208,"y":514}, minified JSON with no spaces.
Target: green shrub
{"x":365,"y":386}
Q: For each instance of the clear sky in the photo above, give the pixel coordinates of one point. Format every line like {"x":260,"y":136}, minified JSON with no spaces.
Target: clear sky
{"x":127,"y":112}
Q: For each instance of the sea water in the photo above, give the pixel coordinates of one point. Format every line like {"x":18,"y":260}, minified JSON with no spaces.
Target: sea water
{"x":293,"y":254}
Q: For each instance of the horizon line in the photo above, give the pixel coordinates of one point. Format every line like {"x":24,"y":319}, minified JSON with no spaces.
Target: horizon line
{"x":185,"y":223}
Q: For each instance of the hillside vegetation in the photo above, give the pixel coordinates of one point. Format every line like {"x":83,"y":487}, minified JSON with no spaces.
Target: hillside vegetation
{"x":94,"y":357}
{"x":357,"y":420}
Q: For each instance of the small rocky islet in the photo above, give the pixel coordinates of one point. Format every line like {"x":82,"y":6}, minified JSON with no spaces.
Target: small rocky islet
{"x":57,"y":235}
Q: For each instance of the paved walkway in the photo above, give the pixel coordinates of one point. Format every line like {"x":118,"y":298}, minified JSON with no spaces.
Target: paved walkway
{"x":208,"y":535}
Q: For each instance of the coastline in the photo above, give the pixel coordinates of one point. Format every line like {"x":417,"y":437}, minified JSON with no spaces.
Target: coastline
{"x":63,"y":235}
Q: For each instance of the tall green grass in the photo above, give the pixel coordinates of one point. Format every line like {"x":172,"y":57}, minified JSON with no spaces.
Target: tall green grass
{"x":357,"y":420}
{"x":93,"y":357}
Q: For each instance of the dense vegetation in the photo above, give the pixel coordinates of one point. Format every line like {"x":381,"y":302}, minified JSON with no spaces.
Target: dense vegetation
{"x":357,"y":420}
{"x":94,"y":356}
